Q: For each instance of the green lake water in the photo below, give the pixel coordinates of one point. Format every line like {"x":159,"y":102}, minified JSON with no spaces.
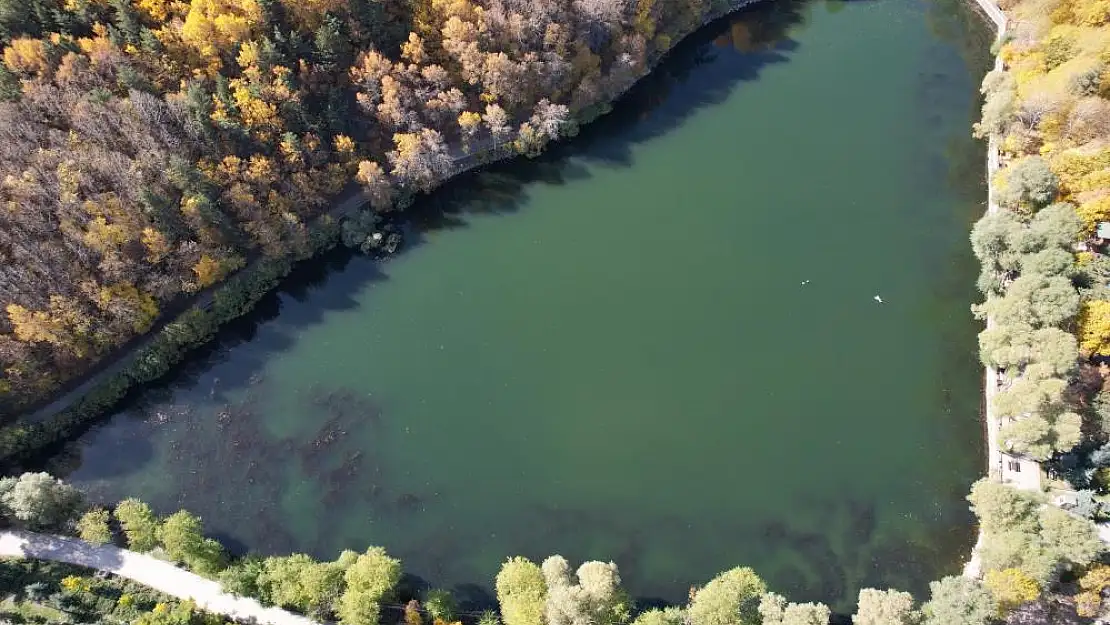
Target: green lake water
{"x":658,"y":344}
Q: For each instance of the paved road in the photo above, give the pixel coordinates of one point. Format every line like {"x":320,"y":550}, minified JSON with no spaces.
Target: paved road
{"x":146,"y":570}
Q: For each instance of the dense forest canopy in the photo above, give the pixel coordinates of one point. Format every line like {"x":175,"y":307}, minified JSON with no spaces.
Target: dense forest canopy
{"x":149,"y":148}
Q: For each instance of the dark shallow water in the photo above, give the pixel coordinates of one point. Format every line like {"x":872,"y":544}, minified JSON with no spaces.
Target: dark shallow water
{"x":610,"y":352}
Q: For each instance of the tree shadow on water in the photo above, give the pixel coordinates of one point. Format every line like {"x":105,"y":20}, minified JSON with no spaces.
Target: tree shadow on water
{"x":216,"y":373}
{"x":701,"y":71}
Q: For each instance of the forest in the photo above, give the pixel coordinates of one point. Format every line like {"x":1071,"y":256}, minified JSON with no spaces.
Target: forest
{"x":151,"y":148}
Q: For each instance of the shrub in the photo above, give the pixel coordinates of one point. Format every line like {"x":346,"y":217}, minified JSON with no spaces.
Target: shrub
{"x":93,"y":527}
{"x":959,"y":601}
{"x":489,"y":617}
{"x":440,"y":605}
{"x":1094,"y":211}
{"x":1011,"y":588}
{"x":1086,"y":505}
{"x":1058,"y":47}
{"x":297,"y":581}
{"x":242,"y":579}
{"x":667,"y":616}
{"x":1086,"y":82}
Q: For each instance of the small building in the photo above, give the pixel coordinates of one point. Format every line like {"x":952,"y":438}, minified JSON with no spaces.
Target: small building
{"x":1102,"y":231}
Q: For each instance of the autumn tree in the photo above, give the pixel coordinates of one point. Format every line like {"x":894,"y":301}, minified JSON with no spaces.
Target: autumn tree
{"x":1011,"y":588}
{"x":469,"y":124}
{"x":731,"y":598}
{"x":139,"y":523}
{"x":497,"y":120}
{"x":27,"y":56}
{"x":420,"y":160}
{"x":377,"y":185}
{"x":182,"y":536}
{"x":1094,"y":584}
{"x":522,"y":592}
{"x":1094,"y":327}
{"x":885,"y":607}
{"x":369,"y":580}
{"x":215,"y":25}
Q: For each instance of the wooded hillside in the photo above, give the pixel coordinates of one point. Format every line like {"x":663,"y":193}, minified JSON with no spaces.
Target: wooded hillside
{"x":148,"y":148}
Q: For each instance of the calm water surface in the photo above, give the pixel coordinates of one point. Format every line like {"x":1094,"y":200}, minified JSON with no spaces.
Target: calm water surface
{"x":658,"y":344}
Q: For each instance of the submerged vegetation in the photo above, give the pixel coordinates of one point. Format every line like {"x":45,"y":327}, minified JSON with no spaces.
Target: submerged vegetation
{"x":1035,"y":546}
{"x":360,"y":588}
{"x":155,"y":147}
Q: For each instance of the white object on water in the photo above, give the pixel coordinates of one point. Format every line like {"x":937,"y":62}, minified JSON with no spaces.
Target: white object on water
{"x":805,"y":282}
{"x":878,"y":299}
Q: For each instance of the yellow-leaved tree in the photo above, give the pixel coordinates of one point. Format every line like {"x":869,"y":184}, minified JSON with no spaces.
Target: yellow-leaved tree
{"x":1094,"y":583}
{"x":126,"y":303}
{"x":64,"y":325}
{"x":214,"y":25}
{"x":469,"y":122}
{"x":208,"y":271}
{"x":161,"y":10}
{"x":1011,"y":588}
{"x":377,"y":185}
{"x":27,"y":56}
{"x":1094,"y":328}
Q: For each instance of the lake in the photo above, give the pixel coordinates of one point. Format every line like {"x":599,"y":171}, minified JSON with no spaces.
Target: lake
{"x":661,"y":343}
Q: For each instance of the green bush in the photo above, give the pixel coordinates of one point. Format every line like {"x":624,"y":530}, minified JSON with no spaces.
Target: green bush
{"x":1086,"y":82}
{"x":1028,"y":184}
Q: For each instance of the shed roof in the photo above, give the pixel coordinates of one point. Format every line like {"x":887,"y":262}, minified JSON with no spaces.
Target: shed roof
{"x":1103,"y":230}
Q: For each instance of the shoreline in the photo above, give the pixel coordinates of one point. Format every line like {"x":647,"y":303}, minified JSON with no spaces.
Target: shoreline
{"x":54,"y":419}
{"x":973,"y":568}
{"x":1018,"y":472}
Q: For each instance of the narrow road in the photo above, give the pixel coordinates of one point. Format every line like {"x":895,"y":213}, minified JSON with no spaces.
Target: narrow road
{"x":146,"y":570}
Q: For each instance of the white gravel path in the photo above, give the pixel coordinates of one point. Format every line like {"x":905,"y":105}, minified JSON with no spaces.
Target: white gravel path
{"x":146,"y":570}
